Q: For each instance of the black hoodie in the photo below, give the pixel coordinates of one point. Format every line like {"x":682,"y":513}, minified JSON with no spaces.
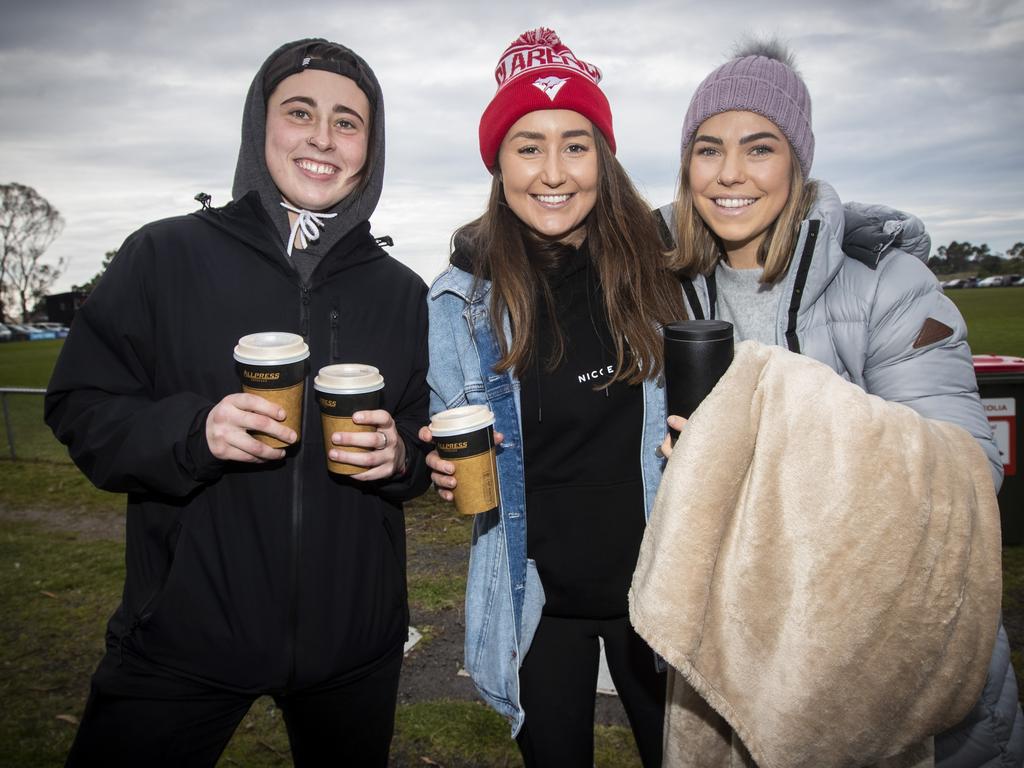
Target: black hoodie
{"x":252,"y":577}
{"x":581,"y":450}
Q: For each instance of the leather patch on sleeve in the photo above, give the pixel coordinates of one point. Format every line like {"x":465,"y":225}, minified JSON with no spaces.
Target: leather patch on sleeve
{"x":932,"y":331}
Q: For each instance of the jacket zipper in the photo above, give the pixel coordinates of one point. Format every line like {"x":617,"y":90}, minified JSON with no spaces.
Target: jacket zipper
{"x":802,"y":268}
{"x":296,"y":538}
{"x":335,"y":336}
{"x":293,"y":578}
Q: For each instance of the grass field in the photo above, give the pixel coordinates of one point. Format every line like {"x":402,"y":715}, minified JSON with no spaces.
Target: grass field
{"x":57,"y":588}
{"x":995,"y":319}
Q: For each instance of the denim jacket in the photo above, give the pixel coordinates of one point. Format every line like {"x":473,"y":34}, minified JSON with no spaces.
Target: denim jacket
{"x":504,"y":596}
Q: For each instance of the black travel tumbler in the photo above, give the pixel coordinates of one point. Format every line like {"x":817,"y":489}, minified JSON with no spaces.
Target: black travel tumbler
{"x":697,"y":353}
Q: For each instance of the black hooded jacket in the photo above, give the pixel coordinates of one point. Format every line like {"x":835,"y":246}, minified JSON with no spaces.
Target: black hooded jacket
{"x":256,"y":578}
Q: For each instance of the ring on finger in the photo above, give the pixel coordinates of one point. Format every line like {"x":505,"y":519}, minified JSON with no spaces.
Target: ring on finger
{"x":385,"y":443}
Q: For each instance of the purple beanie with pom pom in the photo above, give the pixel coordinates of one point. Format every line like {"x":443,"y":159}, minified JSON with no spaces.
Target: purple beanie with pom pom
{"x":764,"y":82}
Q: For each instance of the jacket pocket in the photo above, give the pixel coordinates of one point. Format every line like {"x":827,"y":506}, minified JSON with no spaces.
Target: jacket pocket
{"x":146,"y":611}
{"x":143,"y":611}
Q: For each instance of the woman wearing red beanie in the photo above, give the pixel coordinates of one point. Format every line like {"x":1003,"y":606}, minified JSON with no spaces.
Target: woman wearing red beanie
{"x":549,"y":315}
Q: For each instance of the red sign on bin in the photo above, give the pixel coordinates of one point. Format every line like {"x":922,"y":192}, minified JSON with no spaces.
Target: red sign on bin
{"x":1002,"y":415}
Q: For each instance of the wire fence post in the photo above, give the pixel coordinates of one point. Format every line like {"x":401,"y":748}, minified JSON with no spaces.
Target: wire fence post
{"x":8,"y":427}
{"x":8,"y":423}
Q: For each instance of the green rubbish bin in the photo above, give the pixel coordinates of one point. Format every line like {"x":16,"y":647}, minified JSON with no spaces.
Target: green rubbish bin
{"x":1001,"y":384}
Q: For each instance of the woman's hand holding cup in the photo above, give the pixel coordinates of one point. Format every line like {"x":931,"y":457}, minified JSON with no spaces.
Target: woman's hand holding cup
{"x":442,"y":472}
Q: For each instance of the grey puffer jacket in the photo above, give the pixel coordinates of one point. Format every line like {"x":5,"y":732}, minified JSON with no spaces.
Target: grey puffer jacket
{"x":859,"y":298}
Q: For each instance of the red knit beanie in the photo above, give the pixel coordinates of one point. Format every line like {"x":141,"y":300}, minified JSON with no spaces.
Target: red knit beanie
{"x":537,"y":71}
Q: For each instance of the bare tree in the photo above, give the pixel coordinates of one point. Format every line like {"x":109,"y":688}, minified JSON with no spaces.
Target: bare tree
{"x":28,"y":225}
{"x":87,"y":287}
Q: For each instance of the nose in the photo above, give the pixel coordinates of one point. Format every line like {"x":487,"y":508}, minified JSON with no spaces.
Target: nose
{"x":321,"y":136}
{"x":731,"y":171}
{"x":553,"y":172}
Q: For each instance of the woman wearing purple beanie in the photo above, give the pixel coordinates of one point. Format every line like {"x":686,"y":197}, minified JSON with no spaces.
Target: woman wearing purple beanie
{"x":549,"y":315}
{"x":779,"y":256}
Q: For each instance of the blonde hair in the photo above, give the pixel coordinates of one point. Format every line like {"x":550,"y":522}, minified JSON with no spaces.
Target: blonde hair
{"x":698,"y":248}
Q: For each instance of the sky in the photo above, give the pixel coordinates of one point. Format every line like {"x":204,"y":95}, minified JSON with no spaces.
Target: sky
{"x":118,"y":112}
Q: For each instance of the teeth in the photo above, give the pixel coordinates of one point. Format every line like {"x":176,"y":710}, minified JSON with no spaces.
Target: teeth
{"x":320,"y":168}
{"x":552,"y":198}
{"x":733,"y":202}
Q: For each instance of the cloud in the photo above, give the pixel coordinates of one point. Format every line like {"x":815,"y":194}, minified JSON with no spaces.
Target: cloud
{"x":119,"y":112}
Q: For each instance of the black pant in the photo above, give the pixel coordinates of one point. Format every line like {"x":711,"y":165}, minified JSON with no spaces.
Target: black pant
{"x":139,"y":715}
{"x":558,"y":682}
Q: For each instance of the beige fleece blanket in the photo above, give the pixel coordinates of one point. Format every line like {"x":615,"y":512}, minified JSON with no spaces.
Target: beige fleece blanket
{"x":822,"y":568}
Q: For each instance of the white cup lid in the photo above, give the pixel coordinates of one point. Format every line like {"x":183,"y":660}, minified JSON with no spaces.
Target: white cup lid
{"x":458,"y":421}
{"x":348,"y":379}
{"x":271,"y":348}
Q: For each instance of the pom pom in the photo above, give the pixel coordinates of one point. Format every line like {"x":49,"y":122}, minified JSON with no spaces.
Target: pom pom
{"x":770,"y":48}
{"x":538,"y":36}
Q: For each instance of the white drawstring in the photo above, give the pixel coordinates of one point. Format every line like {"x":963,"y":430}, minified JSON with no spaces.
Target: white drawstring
{"x":307,"y":224}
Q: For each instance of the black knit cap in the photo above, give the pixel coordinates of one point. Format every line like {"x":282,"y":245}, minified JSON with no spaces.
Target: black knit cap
{"x":318,"y":54}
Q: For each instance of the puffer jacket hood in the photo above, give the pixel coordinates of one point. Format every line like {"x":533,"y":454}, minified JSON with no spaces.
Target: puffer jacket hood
{"x":871,"y":230}
{"x":252,"y":174}
{"x":858,"y":231}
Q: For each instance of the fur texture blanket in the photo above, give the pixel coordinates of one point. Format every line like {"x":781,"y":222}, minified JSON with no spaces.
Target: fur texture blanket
{"x":822,"y":570}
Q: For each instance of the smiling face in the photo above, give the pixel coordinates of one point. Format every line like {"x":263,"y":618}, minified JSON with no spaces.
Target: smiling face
{"x":549,"y":173}
{"x":739,"y":174}
{"x":317,"y":137}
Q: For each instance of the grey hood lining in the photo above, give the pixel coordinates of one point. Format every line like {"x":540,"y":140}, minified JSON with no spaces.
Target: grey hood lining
{"x":252,"y":174}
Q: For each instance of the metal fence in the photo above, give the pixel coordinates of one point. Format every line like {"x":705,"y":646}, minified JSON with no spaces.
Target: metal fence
{"x":28,"y":438}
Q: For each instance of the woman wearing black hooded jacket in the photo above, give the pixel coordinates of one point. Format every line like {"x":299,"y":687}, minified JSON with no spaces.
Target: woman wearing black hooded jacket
{"x":252,"y":570}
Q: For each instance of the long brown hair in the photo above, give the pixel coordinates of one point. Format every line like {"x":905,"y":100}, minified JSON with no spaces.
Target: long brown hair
{"x":624,"y":245}
{"x":698,"y":249}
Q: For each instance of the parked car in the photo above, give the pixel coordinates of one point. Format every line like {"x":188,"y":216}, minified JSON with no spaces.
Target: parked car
{"x":957,"y":283}
{"x":1018,"y":281}
{"x":995,"y":281}
{"x":5,"y":333}
{"x":58,"y":328}
{"x":28,"y":332}
{"x":18,"y":332}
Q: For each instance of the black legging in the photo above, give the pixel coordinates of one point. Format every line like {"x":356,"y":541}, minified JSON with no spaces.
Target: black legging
{"x":558,"y":682}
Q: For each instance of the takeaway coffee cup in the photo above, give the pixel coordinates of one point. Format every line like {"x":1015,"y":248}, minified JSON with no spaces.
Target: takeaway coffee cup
{"x":465,"y":436}
{"x":273,"y":365}
{"x":697,"y":353}
{"x":341,"y":390}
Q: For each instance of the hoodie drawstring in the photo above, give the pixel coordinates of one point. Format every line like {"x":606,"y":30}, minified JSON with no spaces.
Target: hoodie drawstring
{"x":307,"y":224}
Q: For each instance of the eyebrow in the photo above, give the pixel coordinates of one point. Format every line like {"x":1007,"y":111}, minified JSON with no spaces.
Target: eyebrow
{"x":535,"y":136}
{"x":339,"y":109}
{"x":758,"y":137}
{"x":745,"y":140}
